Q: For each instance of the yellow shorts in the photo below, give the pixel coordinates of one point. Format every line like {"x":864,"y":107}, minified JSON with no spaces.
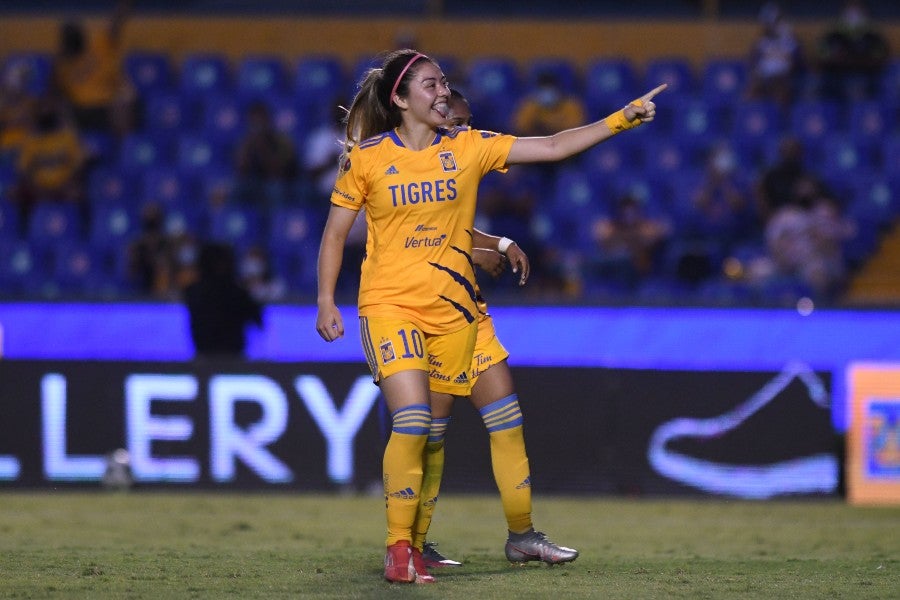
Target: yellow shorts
{"x":488,"y":349}
{"x":394,"y":345}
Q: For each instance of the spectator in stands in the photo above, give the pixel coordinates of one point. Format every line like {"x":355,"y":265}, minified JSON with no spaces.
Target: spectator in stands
{"x":17,"y":106}
{"x":852,"y":55}
{"x":219,"y":307}
{"x":182,"y":261}
{"x":721,"y":207}
{"x":321,"y":153}
{"x":266,"y":161}
{"x":775,"y":58}
{"x":804,"y":249}
{"x":148,"y":254}
{"x":548,"y":109}
{"x":51,"y":159}
{"x":629,"y":242}
{"x":544,"y":111}
{"x":88,"y":73}
{"x":787,"y":181}
{"x":258,"y":276}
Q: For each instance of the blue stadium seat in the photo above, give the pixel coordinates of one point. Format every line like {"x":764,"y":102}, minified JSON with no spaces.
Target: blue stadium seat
{"x":890,"y":153}
{"x":608,"y":84}
{"x":168,"y":186}
{"x":198,"y":155}
{"x":753,"y":125}
{"x":565,"y":72}
{"x":22,"y":270}
{"x":109,"y":185}
{"x":812,"y":120}
{"x":292,"y":228}
{"x":875,"y":200}
{"x":35,"y":67}
{"x":610,"y":158}
{"x":694,"y":119}
{"x":653,"y":195}
{"x":185,"y":218}
{"x":79,"y":269}
{"x":493,"y":87}
{"x":101,"y":147}
{"x":112,"y":226}
{"x":294,"y":245}
{"x":841,"y":158}
{"x":141,"y":151}
{"x":223,"y":118}
{"x":259,"y":76}
{"x":166,"y":112}
{"x":52,"y":223}
{"x":723,"y":80}
{"x":205,"y":73}
{"x":870,"y":122}
{"x":216,"y":186}
{"x":237,"y":225}
{"x":890,"y":83}
{"x":150,"y":71}
{"x":668,"y":156}
{"x":9,"y":221}
{"x":287,"y":116}
{"x":319,"y":83}
{"x":674,"y":71}
{"x":576,"y":201}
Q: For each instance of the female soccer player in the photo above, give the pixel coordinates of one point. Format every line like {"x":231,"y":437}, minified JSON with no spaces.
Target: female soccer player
{"x":417,"y":305}
{"x":495,"y":398}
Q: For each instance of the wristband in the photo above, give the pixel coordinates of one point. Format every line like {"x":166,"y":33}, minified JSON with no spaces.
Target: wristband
{"x":617,"y":121}
{"x":504,"y":244}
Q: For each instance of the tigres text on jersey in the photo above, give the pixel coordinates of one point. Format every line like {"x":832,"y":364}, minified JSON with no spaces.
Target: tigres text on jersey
{"x":420,"y":211}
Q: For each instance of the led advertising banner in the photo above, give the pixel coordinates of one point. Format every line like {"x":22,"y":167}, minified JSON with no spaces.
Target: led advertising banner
{"x":873,"y":442}
{"x":320,"y":426}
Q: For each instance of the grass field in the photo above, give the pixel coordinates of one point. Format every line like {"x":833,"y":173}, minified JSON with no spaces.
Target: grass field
{"x":225,"y":545}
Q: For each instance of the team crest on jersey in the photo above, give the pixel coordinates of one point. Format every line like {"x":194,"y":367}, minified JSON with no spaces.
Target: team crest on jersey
{"x":387,"y":352}
{"x":344,"y":167}
{"x":448,"y":162}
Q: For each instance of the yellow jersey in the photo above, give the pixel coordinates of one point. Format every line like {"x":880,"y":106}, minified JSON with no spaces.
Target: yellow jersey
{"x":420,"y":212}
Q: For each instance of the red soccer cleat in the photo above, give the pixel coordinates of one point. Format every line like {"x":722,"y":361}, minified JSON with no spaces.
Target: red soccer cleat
{"x":398,"y":563}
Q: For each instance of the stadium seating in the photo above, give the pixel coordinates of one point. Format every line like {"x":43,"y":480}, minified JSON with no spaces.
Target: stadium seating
{"x":203,"y":74}
{"x":36,"y":68}
{"x":54,"y":223}
{"x":609,"y":84}
{"x":21,"y":270}
{"x":9,"y":221}
{"x":193,"y":116}
{"x":259,"y":77}
{"x":723,"y":81}
{"x":150,"y":72}
{"x":563,"y":70}
{"x":492,"y":86}
{"x":319,"y":83}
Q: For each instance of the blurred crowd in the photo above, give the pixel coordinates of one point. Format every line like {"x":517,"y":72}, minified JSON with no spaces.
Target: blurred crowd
{"x":763,"y":181}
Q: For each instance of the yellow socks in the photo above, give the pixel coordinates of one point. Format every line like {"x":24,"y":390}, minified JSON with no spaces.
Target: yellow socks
{"x":433,"y":464}
{"x":402,"y":470}
{"x":503,"y":420}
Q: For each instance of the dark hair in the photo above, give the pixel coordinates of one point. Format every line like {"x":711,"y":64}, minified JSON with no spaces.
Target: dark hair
{"x":372,"y":111}
{"x":72,"y":39}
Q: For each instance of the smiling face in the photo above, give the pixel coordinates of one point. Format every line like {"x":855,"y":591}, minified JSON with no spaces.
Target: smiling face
{"x":427,"y":95}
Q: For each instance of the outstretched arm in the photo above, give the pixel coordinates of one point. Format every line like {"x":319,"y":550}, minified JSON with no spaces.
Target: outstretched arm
{"x":572,"y":141}
{"x":329,"y":323}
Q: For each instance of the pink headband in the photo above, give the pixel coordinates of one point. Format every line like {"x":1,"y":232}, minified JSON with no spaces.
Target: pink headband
{"x":402,"y":73}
